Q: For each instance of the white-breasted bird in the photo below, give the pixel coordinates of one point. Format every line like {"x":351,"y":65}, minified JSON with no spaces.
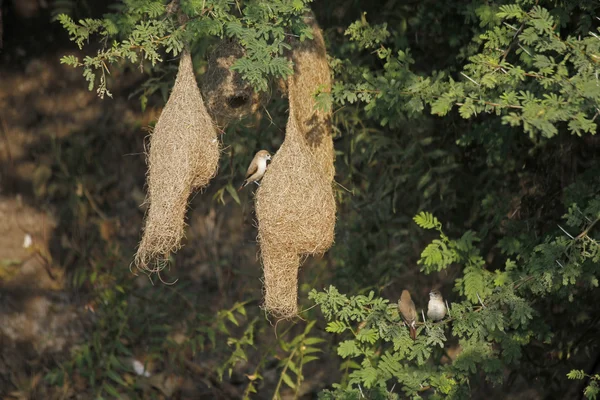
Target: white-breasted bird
{"x":257,"y":168}
{"x":436,"y":309}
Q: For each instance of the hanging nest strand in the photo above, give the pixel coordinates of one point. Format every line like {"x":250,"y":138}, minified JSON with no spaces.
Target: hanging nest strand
{"x":295,"y":208}
{"x":228,"y":97}
{"x":281,"y":281}
{"x":311,"y":75}
{"x":183,"y":157}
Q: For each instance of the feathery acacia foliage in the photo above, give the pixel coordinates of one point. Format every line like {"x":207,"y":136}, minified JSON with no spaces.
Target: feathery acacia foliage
{"x":491,"y":324}
{"x":143,"y":30}
{"x":551,"y":80}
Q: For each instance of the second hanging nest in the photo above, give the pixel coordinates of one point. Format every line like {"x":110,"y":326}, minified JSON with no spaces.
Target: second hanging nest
{"x":295,"y":208}
{"x":295,"y":204}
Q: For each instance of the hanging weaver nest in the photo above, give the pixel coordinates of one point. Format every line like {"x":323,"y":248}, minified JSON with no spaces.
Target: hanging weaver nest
{"x":295,"y":208}
{"x":295,"y":205}
{"x":183,"y":156}
{"x":228,"y":96}
{"x":312,"y":75}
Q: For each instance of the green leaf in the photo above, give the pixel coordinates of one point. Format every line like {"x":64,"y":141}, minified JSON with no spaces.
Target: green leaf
{"x":111,"y":390}
{"x":336,"y":327}
{"x":231,"y":318}
{"x":231,"y":190}
{"x":112,"y":375}
{"x":592,"y":390}
{"x":307,"y":359}
{"x":348,"y":348}
{"x":313,"y":340}
{"x":576,"y":374}
{"x":426,"y":220}
{"x":288,"y":381}
{"x":367,"y":335}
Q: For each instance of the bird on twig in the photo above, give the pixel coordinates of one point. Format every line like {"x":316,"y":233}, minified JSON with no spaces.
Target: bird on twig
{"x":436,"y":309}
{"x":408,"y":312}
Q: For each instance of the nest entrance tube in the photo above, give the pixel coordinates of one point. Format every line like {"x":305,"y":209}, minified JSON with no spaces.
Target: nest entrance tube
{"x":183,"y":157}
{"x":281,"y":281}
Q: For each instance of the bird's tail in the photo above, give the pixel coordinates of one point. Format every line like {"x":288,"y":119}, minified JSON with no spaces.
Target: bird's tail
{"x":243,"y":185}
{"x":413,"y":332}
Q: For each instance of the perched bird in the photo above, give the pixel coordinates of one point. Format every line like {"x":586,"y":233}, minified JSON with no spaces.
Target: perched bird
{"x":257,"y":168}
{"x":436,"y":310}
{"x":409,"y":313}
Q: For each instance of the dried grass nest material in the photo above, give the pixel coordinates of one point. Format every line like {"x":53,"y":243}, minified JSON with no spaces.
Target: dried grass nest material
{"x":295,"y":205}
{"x":228,"y":97}
{"x":295,"y":208}
{"x":312,"y":74}
{"x":183,"y":157}
{"x":281,"y":281}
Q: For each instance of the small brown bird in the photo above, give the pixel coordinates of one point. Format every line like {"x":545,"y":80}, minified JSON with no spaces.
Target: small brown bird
{"x":409,"y":312}
{"x":257,"y":168}
{"x":436,"y":309}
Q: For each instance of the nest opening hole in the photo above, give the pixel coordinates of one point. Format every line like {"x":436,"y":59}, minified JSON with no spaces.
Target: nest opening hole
{"x":238,"y":101}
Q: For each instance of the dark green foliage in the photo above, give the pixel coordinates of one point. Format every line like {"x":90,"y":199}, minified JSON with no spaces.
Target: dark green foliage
{"x":552,"y":79}
{"x":525,"y":79}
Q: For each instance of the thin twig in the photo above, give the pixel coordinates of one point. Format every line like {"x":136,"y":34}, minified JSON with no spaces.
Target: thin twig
{"x":585,"y":232}
{"x":361,"y":392}
{"x":480,"y":301}
{"x":93,"y":204}
{"x":567,"y":233}
{"x":525,"y":50}
{"x":469,"y":78}
{"x":489,"y":103}
{"x":525,"y":280}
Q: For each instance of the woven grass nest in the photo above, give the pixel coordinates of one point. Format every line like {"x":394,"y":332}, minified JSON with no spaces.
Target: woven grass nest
{"x":295,"y":205}
{"x":312,"y":74}
{"x":295,"y":208}
{"x":228,"y":97}
{"x":183,"y":157}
